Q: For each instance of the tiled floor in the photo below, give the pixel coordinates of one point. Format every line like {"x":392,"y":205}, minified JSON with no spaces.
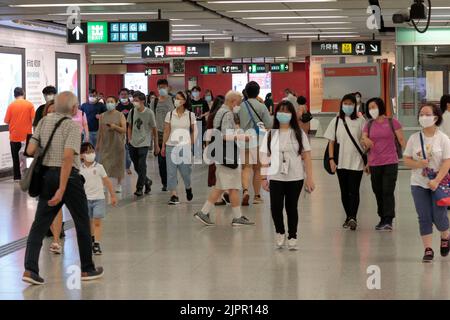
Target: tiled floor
{"x":153,"y":251}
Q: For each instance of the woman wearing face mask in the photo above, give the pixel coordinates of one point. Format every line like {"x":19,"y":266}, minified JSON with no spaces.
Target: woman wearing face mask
{"x":286,"y":155}
{"x":179,"y":136}
{"x":436,"y":146}
{"x":380,"y":137}
{"x":209,"y":97}
{"x":111,"y":139}
{"x":350,"y":163}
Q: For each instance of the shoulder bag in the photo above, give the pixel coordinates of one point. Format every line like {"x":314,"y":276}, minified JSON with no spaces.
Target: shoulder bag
{"x":326,"y":156}
{"x":33,"y":178}
{"x":363,"y":155}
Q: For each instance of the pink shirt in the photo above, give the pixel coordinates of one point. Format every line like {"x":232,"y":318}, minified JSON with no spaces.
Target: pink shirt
{"x":384,"y":151}
{"x":80,"y":119}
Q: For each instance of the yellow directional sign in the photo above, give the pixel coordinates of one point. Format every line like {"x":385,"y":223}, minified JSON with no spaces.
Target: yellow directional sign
{"x":347,"y":48}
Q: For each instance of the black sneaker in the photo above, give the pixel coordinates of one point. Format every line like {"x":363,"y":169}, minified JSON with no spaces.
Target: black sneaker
{"x":148,"y":186}
{"x":174,"y":200}
{"x":428,"y":256}
{"x":386,"y":227}
{"x":346,"y":225}
{"x":380,"y":225}
{"x":352,"y":224}
{"x":189,"y":195}
{"x":164,"y":188}
{"x":445,"y":247}
{"x":139,"y":193}
{"x":32,"y":278}
{"x":92,"y":275}
{"x":96,"y":250}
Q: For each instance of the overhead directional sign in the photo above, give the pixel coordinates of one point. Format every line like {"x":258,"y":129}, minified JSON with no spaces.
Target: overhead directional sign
{"x":346,"y":48}
{"x":154,"y":71}
{"x":175,"y":50}
{"x":256,"y":68}
{"x":279,"y":67}
{"x":116,"y":32}
{"x":234,"y":68}
{"x":208,"y":69}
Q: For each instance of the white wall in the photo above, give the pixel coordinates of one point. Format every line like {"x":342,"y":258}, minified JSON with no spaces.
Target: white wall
{"x":42,"y":47}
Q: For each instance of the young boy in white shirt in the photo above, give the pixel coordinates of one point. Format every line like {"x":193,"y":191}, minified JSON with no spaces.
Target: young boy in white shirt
{"x":96,"y":178}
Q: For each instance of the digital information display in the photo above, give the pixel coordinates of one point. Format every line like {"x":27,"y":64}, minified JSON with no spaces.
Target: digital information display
{"x":116,"y":32}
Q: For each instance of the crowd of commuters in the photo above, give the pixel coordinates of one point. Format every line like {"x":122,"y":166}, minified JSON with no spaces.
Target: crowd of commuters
{"x":100,"y":140}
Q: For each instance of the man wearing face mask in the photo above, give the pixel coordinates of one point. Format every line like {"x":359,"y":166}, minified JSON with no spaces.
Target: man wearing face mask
{"x":49,"y":93}
{"x":62,"y":185}
{"x":161,"y":106}
{"x":201,"y":109}
{"x":93,"y":108}
{"x":125,"y":106}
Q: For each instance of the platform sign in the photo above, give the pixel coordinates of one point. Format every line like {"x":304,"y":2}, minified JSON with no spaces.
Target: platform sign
{"x":279,"y":67}
{"x":346,"y":48}
{"x":208,"y":69}
{"x":117,"y":32}
{"x":154,"y":71}
{"x":234,"y":68}
{"x":256,"y":68}
{"x":190,"y":50}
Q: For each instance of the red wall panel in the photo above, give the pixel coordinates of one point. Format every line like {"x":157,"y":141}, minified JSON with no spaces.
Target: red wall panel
{"x":218,"y":83}
{"x":296,"y":80}
{"x":109,"y":84}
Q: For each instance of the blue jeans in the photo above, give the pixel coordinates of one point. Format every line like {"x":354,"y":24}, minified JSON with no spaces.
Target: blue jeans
{"x":93,"y":138}
{"x":429,"y":213}
{"x":178,"y":158}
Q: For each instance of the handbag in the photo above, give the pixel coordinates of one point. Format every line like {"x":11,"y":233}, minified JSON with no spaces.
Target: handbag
{"x":442,"y":194}
{"x":33,"y":177}
{"x":363,"y":155}
{"x":229,"y":161}
{"x":258,"y":126}
{"x":326,"y":156}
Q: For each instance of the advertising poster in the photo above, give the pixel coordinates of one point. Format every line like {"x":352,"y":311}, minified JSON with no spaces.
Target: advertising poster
{"x":10,"y":78}
{"x":67,"y":70}
{"x":136,"y":82}
{"x":36,"y":76}
{"x":239,"y":80}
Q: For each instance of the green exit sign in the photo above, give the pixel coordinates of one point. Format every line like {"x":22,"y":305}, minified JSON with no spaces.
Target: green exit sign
{"x":97,"y":32}
{"x":208,"y":69}
{"x":256,"y":68}
{"x":279,"y":67}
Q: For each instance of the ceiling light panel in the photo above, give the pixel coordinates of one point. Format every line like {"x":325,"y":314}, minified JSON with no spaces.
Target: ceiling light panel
{"x":48,"y":5}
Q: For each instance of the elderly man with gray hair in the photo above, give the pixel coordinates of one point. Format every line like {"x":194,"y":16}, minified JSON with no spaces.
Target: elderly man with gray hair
{"x":63,"y":184}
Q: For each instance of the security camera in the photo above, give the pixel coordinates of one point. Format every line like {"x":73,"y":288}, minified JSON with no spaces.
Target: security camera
{"x":401,"y":17}
{"x":418,"y":11}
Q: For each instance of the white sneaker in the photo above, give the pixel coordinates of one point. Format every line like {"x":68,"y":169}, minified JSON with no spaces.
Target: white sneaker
{"x":280,"y":240}
{"x":292,"y":244}
{"x":118,"y":188}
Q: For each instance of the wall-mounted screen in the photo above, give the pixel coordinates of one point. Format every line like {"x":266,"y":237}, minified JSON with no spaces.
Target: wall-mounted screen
{"x":68,"y":73}
{"x":136,"y":82}
{"x":264,"y":80}
{"x":11,"y":72}
{"x":239,"y":80}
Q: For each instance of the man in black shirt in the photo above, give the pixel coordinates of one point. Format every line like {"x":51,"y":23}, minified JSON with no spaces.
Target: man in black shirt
{"x":49,"y":93}
{"x":201,"y":109}
{"x":125,"y":107}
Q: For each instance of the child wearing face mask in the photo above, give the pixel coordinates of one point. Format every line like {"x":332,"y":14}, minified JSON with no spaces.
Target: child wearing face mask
{"x":95,"y":179}
{"x":111,"y":139}
{"x":427,"y":153}
{"x":350,"y":164}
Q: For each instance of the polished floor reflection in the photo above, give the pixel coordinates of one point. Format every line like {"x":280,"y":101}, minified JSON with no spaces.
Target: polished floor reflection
{"x":156,"y":251}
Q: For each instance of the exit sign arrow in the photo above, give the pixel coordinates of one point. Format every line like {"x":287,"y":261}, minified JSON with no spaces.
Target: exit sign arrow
{"x":77,"y":31}
{"x":148,"y":50}
{"x":374,"y":48}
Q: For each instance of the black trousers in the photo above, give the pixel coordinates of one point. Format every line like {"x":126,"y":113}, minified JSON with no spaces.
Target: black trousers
{"x":285,"y":194}
{"x":384,"y":179}
{"x":139,"y":158}
{"x":15,"y":148}
{"x":162,"y":164}
{"x":76,"y":201}
{"x":349,"y":183}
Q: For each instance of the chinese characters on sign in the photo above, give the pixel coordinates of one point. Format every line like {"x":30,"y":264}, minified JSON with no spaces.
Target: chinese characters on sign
{"x":174,"y":50}
{"x":343,"y":48}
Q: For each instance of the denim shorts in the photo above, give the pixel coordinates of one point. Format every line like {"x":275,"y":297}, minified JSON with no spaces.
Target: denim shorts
{"x":97,"y":209}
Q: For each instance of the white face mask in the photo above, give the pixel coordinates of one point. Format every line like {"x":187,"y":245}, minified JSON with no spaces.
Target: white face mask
{"x":427,"y":121}
{"x":374,"y":113}
{"x":110,"y":106}
{"x":237,"y":109}
{"x":177,"y":103}
{"x":49,"y":97}
{"x":92,"y":100}
{"x":89,"y":157}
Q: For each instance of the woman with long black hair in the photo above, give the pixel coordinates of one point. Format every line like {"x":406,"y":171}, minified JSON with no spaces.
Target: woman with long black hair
{"x":286,"y":166}
{"x":346,"y":130}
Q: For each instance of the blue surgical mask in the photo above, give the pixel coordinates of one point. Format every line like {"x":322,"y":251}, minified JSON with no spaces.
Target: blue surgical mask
{"x":284,"y":117}
{"x":110,"y":106}
{"x":348,"y":109}
{"x":163,"y":92}
{"x":208,"y":98}
{"x":195,"y":94}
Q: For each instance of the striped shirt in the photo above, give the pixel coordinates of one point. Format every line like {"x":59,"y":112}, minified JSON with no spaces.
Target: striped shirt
{"x":67,"y":136}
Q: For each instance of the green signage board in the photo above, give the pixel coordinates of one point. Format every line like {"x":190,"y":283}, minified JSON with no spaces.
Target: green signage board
{"x":279,"y":67}
{"x":256,"y":68}
{"x":208,"y":69}
{"x":97,"y":32}
{"x":433,"y":36}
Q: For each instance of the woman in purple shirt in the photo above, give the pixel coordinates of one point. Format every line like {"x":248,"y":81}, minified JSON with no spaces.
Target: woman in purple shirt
{"x":384,"y":139}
